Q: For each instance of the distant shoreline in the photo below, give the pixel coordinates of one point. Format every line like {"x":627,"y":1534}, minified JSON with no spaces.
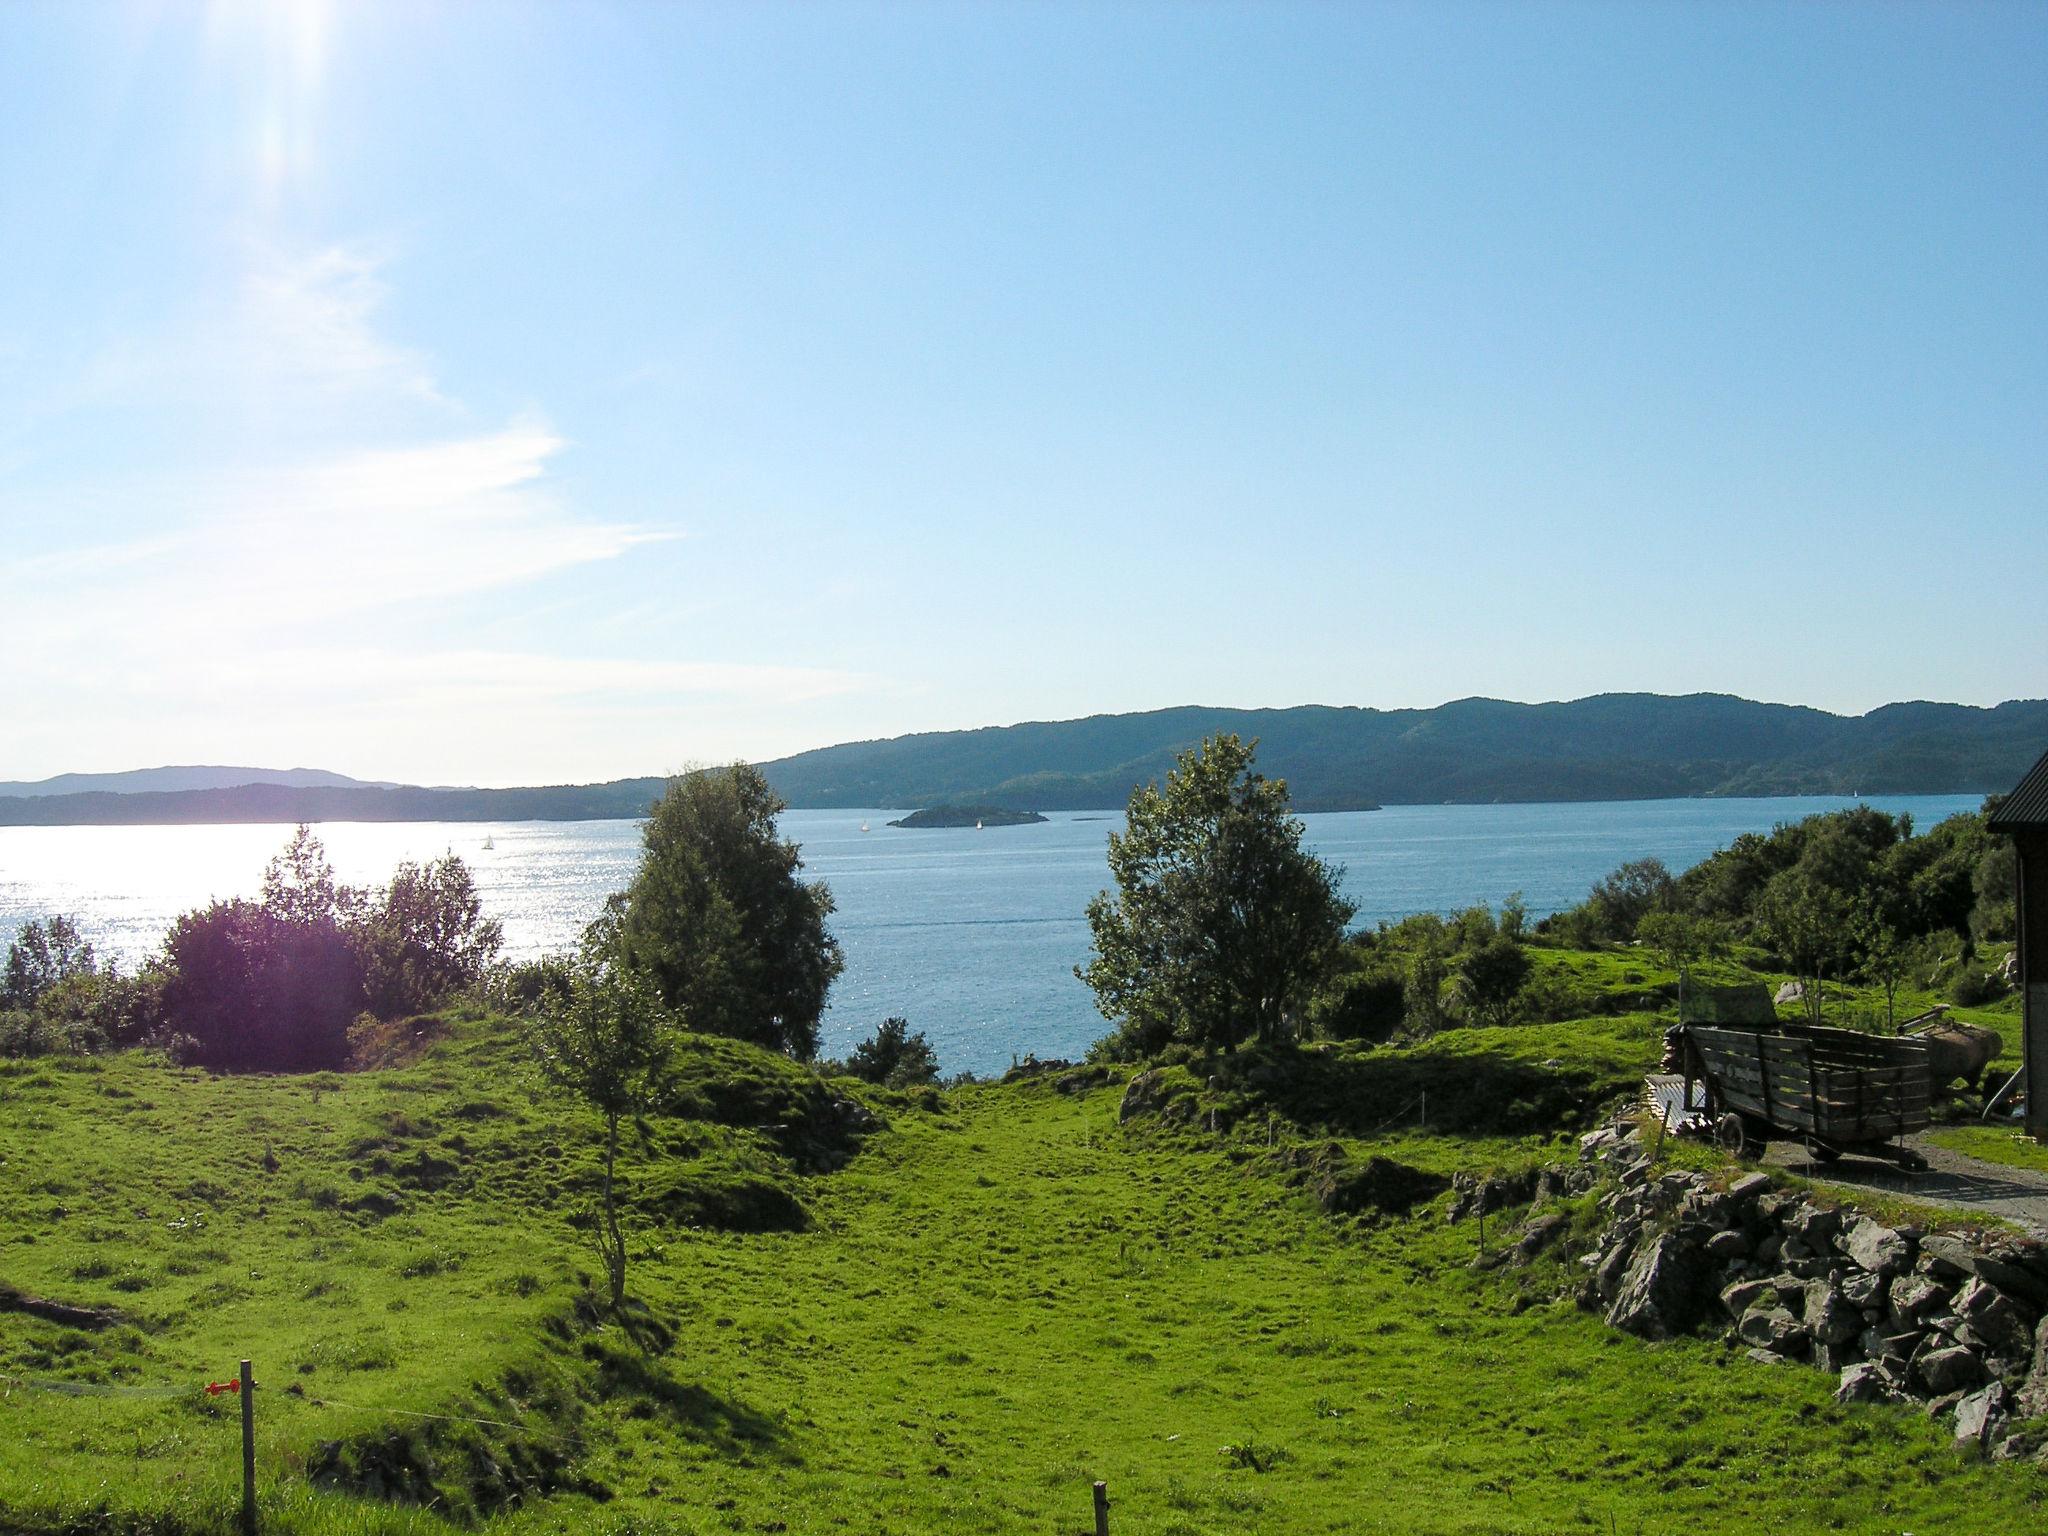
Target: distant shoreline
{"x":40,"y":812}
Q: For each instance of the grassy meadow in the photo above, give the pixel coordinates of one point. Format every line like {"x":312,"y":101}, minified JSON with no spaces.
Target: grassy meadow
{"x":955,"y":1320}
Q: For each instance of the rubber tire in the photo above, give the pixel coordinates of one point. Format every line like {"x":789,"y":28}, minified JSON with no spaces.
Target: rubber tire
{"x":1821,"y":1153}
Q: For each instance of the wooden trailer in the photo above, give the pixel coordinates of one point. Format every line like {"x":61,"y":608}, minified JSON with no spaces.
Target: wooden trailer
{"x":1837,"y":1090}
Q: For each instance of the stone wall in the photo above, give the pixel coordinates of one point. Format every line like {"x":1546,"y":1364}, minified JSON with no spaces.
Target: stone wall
{"x":1955,"y":1321}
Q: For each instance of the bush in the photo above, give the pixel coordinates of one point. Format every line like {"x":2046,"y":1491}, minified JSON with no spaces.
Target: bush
{"x":894,"y":1057}
{"x":258,"y":993}
{"x":1367,"y":1006}
{"x":425,"y":940}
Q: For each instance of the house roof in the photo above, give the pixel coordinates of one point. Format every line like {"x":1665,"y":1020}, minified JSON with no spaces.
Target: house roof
{"x":2027,"y":805}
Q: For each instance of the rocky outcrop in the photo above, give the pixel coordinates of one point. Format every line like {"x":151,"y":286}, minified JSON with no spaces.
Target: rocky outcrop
{"x":1955,"y":1320}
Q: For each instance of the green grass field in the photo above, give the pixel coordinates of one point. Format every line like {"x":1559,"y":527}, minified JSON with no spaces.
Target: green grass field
{"x":1002,"y":1297}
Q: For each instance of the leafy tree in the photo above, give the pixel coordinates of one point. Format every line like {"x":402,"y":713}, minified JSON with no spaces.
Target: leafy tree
{"x":299,"y":887}
{"x":1680,"y":938}
{"x":1490,"y":977}
{"x":425,"y":938}
{"x":1623,"y":898}
{"x":718,"y":921}
{"x":1809,"y":923}
{"x":1883,"y":954}
{"x":1222,"y":924}
{"x":609,"y":1042}
{"x":894,"y":1056}
{"x":43,"y":954}
{"x":255,"y":993}
{"x":1431,"y":947}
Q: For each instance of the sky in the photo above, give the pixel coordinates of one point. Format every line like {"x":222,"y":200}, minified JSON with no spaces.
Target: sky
{"x":507,"y":393}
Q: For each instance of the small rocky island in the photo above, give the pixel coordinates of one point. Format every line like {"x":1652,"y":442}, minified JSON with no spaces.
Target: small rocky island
{"x":967,"y":816}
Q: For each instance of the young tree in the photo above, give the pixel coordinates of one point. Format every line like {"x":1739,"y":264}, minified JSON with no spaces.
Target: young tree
{"x":43,"y":954}
{"x":718,"y":921}
{"x":1679,"y":938}
{"x":424,"y":938}
{"x":1490,"y":977}
{"x":1808,"y":923}
{"x":1222,"y":925}
{"x":608,"y":1042}
{"x":1623,"y":898}
{"x":894,"y":1056}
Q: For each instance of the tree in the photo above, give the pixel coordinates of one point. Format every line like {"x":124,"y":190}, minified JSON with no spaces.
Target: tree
{"x":1490,"y":977}
{"x":719,"y":923}
{"x":1222,"y":925}
{"x":1623,"y":898}
{"x":608,"y":1042}
{"x":424,"y":938}
{"x":268,"y":986}
{"x":43,"y":954}
{"x":1808,"y":923}
{"x":894,"y":1056}
{"x":1679,"y":938}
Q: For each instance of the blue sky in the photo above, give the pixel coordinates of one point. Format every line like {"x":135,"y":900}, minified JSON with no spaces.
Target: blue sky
{"x":502,"y":394}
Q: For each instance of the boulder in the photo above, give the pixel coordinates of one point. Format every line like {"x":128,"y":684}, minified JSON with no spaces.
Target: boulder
{"x":1914,"y":1297}
{"x":1876,"y":1248}
{"x":1861,"y":1288}
{"x":1539,"y":1235}
{"x":1951,"y":1369}
{"x":1865,"y":1382}
{"x":2033,"y":1398}
{"x":1791,"y":992}
{"x":1748,"y":1188}
{"x":1613,"y":1267}
{"x":1994,"y":1317}
{"x":1979,"y":1417}
{"x":1143,"y":1097}
{"x":1725,"y":1246}
{"x":1660,"y":1293}
{"x":1381,"y":1184}
{"x":1772,"y":1328}
{"x":1814,"y":1225}
{"x":1829,"y":1317}
{"x":1744,"y":1294}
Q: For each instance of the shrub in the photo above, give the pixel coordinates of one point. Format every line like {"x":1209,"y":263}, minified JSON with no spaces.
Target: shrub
{"x":1366,"y":1006}
{"x":255,"y":992}
{"x":894,"y":1057}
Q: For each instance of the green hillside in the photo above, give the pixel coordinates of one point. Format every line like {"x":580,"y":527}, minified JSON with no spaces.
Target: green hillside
{"x":955,"y":1320}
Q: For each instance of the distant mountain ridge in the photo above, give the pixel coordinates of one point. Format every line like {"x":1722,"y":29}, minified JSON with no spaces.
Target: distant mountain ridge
{"x":1606,"y":747}
{"x":180,"y":778}
{"x":1617,"y":746}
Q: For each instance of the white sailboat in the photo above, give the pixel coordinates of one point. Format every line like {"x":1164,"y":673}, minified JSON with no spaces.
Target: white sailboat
{"x":863,"y":826}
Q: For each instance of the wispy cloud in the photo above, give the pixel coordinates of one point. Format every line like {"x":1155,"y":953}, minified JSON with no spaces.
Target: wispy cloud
{"x":297,"y":571}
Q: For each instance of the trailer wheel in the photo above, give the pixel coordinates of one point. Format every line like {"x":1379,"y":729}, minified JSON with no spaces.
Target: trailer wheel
{"x":1821,"y":1152}
{"x":1731,"y":1135}
{"x":1912,"y":1161}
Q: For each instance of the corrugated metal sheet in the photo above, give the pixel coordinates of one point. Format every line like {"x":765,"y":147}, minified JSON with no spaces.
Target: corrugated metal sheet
{"x":2027,"y":805}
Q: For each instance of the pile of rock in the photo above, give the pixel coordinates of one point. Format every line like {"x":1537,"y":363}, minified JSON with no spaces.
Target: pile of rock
{"x":1955,"y":1322}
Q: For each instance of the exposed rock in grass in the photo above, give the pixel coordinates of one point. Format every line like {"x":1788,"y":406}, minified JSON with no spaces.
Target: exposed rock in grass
{"x":71,"y":1316}
{"x":1380,"y":1184}
{"x":1659,"y":1294}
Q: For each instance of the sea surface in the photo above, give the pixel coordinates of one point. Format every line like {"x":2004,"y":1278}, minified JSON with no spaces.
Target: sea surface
{"x":972,"y":936}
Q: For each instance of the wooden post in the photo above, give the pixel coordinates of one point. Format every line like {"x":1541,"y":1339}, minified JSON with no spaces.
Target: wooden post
{"x":248,"y":1451}
{"x":1102,"y":1509}
{"x":1425,"y":1109}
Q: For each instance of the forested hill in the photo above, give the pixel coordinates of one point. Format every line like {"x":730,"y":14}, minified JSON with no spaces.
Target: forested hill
{"x":1610,"y":747}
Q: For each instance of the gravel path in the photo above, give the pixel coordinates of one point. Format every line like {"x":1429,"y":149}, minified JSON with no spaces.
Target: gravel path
{"x":1952,"y":1179}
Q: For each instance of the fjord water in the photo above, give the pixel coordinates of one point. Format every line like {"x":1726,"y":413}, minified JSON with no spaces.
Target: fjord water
{"x":972,"y":936}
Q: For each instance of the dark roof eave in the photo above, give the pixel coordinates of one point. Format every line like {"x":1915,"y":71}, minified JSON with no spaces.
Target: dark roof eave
{"x":2027,"y":806}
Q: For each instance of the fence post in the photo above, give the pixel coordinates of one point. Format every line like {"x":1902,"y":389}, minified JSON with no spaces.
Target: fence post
{"x":248,"y":1451}
{"x":1102,"y":1509}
